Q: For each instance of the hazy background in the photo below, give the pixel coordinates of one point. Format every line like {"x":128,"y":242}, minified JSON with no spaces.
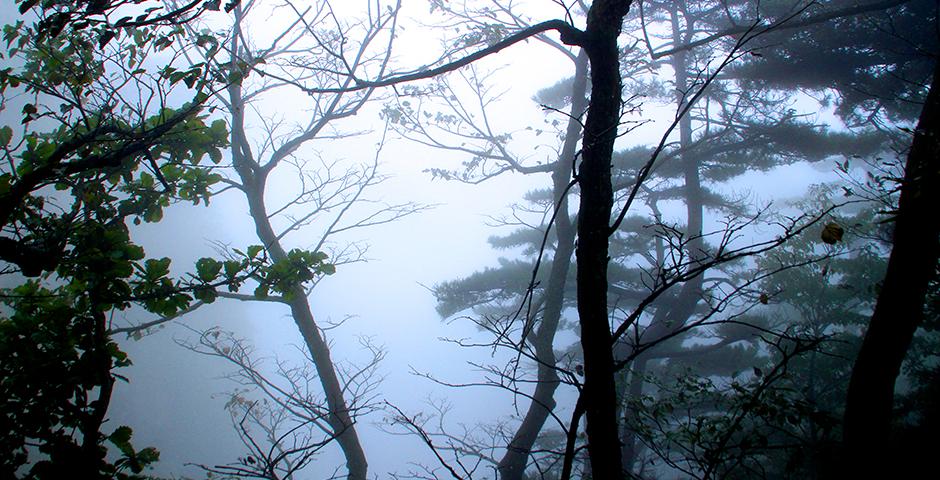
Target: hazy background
{"x":173,"y":402}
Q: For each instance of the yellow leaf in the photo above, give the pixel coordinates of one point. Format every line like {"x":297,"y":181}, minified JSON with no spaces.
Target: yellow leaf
{"x":832,"y":233}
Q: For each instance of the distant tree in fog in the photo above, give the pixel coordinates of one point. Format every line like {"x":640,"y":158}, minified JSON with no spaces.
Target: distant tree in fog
{"x":747,"y":126}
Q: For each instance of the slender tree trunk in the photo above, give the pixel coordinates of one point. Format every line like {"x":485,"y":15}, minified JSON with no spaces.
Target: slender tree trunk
{"x":604,"y":22}
{"x":900,"y":307}
{"x":629,"y":445}
{"x":690,"y":164}
{"x":92,"y":454}
{"x":253,"y":179}
{"x":512,"y":465}
{"x":667,"y":320}
{"x":339,"y":417}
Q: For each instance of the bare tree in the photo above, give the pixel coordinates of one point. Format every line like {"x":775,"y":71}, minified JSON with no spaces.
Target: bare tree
{"x":316,"y":47}
{"x":281,"y":422}
{"x":463,"y":125}
{"x":329,"y":52}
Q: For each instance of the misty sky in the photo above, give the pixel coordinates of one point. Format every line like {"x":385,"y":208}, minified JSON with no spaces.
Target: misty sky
{"x":169,"y":401}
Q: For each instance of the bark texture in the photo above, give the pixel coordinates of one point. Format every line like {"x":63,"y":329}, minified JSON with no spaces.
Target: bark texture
{"x":900,"y":307}
{"x":604,"y":22}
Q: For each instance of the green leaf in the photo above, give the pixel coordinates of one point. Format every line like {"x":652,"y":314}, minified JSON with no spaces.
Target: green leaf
{"x":157,"y":268}
{"x":153,"y":215}
{"x":215,"y":155}
{"x":254,"y":250}
{"x":121,"y":438}
{"x":6,"y":134}
{"x":232,"y":267}
{"x":136,"y":252}
{"x":207,"y":269}
{"x":206,"y":295}
{"x":218,"y":130}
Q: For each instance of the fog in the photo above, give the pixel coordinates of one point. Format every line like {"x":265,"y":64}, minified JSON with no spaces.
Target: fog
{"x":386,"y":298}
{"x":755,"y":182}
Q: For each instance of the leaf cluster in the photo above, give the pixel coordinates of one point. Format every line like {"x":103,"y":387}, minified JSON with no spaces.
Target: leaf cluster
{"x":98,"y":148}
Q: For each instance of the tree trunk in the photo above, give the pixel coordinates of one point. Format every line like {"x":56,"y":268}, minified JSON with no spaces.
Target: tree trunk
{"x":339,"y":417}
{"x":512,"y":465}
{"x":604,"y":22}
{"x":900,"y":306}
{"x":667,"y":320}
{"x":253,"y":183}
{"x":630,"y":448}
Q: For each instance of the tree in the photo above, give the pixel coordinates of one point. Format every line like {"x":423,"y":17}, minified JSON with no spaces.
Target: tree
{"x":734,"y":28}
{"x":90,"y":154}
{"x":603,"y":27}
{"x":774,"y":413}
{"x":599,"y":41}
{"x":114,"y":276}
{"x":859,"y":52}
{"x":458,"y":126}
{"x":737,"y":127}
{"x":480,"y":288}
{"x":330,"y":199}
{"x":733,"y":143}
{"x":496,"y":284}
{"x":597,"y":192}
{"x":899,"y":310}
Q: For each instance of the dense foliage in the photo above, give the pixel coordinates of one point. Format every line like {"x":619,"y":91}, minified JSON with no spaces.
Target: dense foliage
{"x":89,"y":157}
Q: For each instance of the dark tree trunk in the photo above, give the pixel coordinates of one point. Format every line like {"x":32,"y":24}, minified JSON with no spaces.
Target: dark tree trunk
{"x":604,"y":22}
{"x":900,"y":306}
{"x":512,"y":465}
